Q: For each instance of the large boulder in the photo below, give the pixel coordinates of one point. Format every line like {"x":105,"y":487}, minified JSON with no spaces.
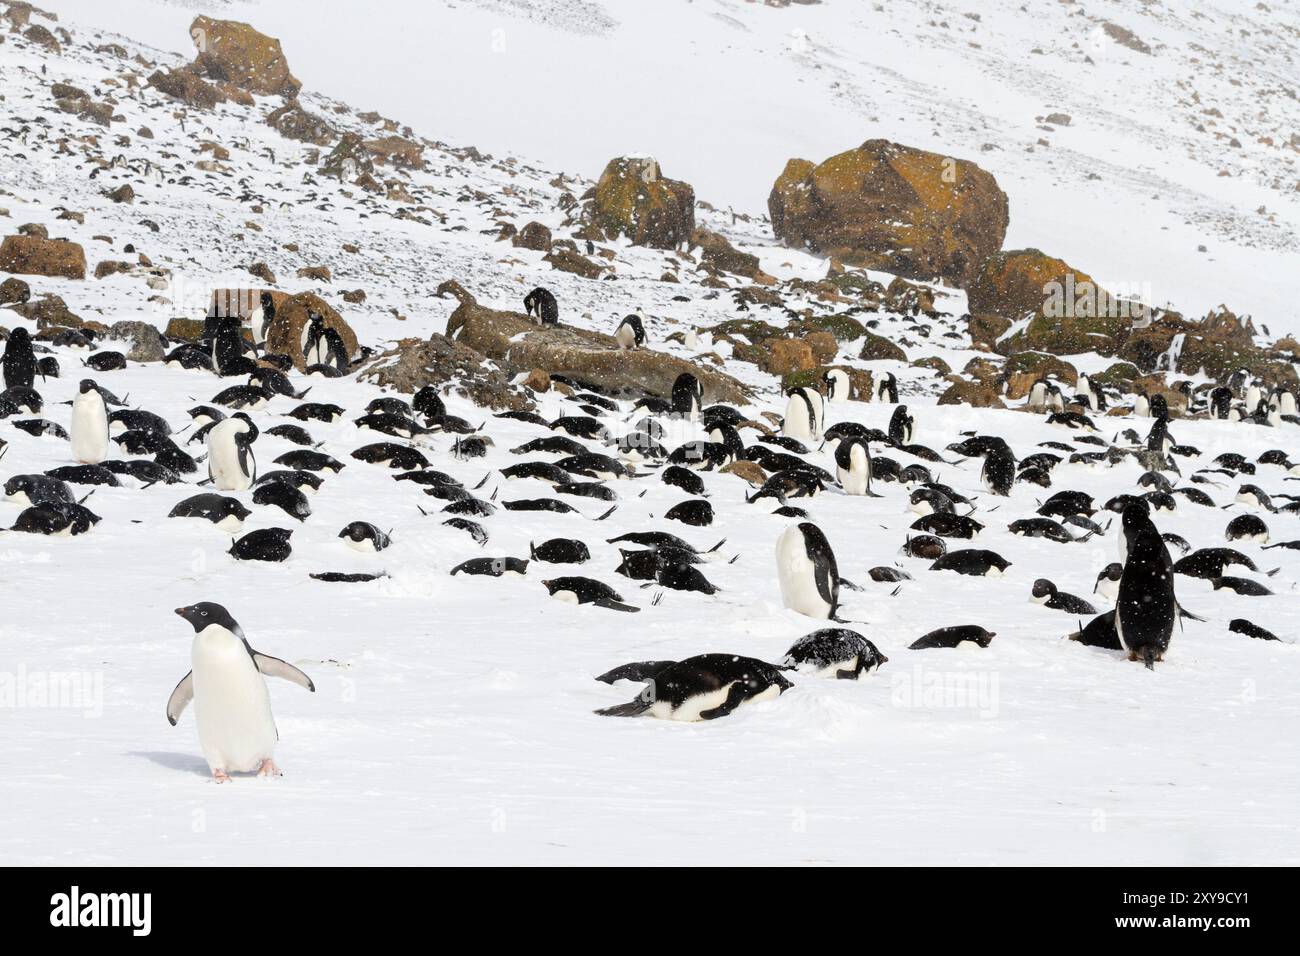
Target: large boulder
{"x":34,"y":256}
{"x":592,"y":358}
{"x":293,"y":122}
{"x":188,"y":87}
{"x":633,"y":199}
{"x":284,"y":336}
{"x":443,"y":363}
{"x":236,"y":53}
{"x":717,"y":252}
{"x":1068,"y":312}
{"x":894,"y":208}
{"x":397,"y":151}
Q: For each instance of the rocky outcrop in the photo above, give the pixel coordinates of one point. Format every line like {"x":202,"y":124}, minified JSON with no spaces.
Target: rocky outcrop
{"x":396,"y":151}
{"x":234,"y":52}
{"x":14,"y":291}
{"x":144,"y":343}
{"x":284,"y":336}
{"x":878,"y":347}
{"x":975,"y":394}
{"x":34,"y":256}
{"x":717,"y":252}
{"x":445,"y":364}
{"x":184,"y":85}
{"x":894,"y":208}
{"x":634,"y":200}
{"x":592,"y":358}
{"x":293,"y":122}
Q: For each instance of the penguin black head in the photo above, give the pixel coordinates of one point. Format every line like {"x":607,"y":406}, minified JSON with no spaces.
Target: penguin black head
{"x":1042,"y":589}
{"x":252,"y":433}
{"x":205,"y":613}
{"x":1111,"y":572}
{"x":87,"y":385}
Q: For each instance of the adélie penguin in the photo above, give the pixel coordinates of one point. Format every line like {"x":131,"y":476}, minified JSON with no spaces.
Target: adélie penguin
{"x":704,"y":687}
{"x":1145,"y":607}
{"x":806,"y":569}
{"x":231,"y":464}
{"x":89,"y":433}
{"x":232,"y":706}
{"x":834,"y":652}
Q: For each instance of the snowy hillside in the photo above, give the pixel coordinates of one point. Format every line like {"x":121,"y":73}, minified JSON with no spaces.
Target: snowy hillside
{"x":452,"y":719}
{"x":1194,"y":143}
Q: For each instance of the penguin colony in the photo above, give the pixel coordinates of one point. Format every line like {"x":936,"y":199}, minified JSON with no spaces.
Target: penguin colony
{"x":578,"y":466}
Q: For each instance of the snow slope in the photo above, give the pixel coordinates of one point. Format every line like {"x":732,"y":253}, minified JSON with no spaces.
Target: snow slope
{"x":723,"y":92}
{"x":452,"y":721}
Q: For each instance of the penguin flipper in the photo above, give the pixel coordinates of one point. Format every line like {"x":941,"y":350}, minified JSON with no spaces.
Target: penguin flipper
{"x":640,"y":671}
{"x":615,"y":605}
{"x":633,"y":708}
{"x":274,"y":667}
{"x":180,"y":698}
{"x":736,"y":696}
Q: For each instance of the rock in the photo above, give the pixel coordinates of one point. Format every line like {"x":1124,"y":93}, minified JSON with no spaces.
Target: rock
{"x":538,"y":381}
{"x":293,"y":122}
{"x":1040,"y":365}
{"x":122,"y":194}
{"x":145,"y":343}
{"x":566,"y":260}
{"x":49,"y":311}
{"x":1068,"y":312}
{"x":396,"y":151}
{"x":985,"y":329}
{"x":442,"y":362}
{"x":717,"y":252}
{"x":878,"y":347}
{"x":974,"y":394}
{"x":42,"y":37}
{"x":784,"y":356}
{"x":934,"y":363}
{"x":533,"y":236}
{"x":907,"y":298}
{"x":284,"y":336}
{"x":236,"y":53}
{"x":592,"y":358}
{"x":263,"y":272}
{"x":894,"y":208}
{"x":33,"y":229}
{"x":825,"y":346}
{"x":316,"y":273}
{"x":184,"y":330}
{"x":110,"y":267}
{"x":354,"y":296}
{"x":182,"y":84}
{"x":14,"y":291}
{"x":749,"y":470}
{"x":862,"y":384}
{"x":33,"y":256}
{"x":634,"y":200}
{"x":1125,"y":37}
{"x":348,"y":159}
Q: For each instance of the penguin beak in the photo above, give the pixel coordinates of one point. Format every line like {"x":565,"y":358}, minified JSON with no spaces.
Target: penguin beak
{"x":182,"y":611}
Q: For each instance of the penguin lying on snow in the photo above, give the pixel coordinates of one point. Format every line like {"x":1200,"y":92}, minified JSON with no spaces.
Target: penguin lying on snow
{"x":231,"y":705}
{"x":703,"y":687}
{"x":956,"y":636}
{"x":834,"y":652}
{"x":1044,"y":592}
{"x":578,"y":590}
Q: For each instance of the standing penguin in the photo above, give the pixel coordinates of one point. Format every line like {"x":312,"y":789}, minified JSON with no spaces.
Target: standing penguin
{"x":89,"y":432}
{"x":19,"y":363}
{"x":541,"y":305}
{"x":228,"y":347}
{"x":900,"y":426}
{"x":853,"y":466}
{"x":803,"y":415}
{"x":231,"y":464}
{"x":887,"y":390}
{"x":231,"y":704}
{"x":688,"y":396}
{"x":1145,"y":608}
{"x":630,"y":333}
{"x":808,"y":574}
{"x":999,"y":470}
{"x":837,"y":385}
{"x":260,"y":321}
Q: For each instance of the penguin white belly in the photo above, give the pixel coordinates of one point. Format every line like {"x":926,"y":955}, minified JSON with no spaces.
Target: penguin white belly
{"x":857,"y":479}
{"x":797,"y":424}
{"x":833,"y":670}
{"x":232,"y":524}
{"x":365,"y":545}
{"x":626,"y":337}
{"x":223,"y":458}
{"x":798,"y":577}
{"x":89,"y":432}
{"x":232,"y":707}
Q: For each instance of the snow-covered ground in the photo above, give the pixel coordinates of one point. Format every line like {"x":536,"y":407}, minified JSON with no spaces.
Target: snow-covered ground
{"x":453,"y":716}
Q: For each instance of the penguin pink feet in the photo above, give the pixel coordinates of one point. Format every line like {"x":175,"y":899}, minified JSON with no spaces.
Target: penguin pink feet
{"x":269,"y":769}
{"x":220,"y":776}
